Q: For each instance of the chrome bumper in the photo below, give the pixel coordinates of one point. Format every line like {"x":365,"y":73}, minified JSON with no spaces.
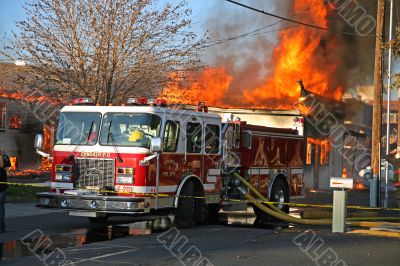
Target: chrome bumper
{"x":93,"y":203}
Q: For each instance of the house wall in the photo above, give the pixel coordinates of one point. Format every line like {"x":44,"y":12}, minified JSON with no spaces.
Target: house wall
{"x":19,"y":142}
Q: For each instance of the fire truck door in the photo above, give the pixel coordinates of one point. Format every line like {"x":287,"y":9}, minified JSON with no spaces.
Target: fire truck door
{"x":195,"y":148}
{"x":232,"y":143}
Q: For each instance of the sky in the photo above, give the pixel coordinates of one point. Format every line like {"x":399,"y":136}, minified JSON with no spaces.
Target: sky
{"x":204,"y":11}
{"x":12,"y":10}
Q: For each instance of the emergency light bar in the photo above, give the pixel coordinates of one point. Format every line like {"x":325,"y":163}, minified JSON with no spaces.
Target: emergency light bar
{"x":137,"y":101}
{"x":145,"y":101}
{"x":82,"y":101}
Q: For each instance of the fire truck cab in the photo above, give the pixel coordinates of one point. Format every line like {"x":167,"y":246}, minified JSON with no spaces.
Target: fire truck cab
{"x":146,"y":159}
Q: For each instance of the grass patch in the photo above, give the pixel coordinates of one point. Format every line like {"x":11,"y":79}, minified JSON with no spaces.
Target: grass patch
{"x":17,"y":194}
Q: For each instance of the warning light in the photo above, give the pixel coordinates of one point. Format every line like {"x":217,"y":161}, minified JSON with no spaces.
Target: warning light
{"x":82,"y":101}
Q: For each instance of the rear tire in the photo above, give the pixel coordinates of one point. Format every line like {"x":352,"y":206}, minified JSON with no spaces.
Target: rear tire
{"x":279,"y":193}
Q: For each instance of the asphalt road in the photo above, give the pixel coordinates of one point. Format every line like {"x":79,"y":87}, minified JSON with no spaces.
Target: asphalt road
{"x":122,"y":243}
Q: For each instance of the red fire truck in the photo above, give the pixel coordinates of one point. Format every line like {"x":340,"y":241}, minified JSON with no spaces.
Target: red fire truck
{"x":146,"y":158}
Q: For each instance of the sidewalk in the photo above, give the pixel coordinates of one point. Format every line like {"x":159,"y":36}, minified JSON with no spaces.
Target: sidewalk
{"x":14,"y":210}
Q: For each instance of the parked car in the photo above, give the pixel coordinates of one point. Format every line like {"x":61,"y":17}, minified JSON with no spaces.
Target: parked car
{"x":366,"y":176}
{"x":366,"y":173}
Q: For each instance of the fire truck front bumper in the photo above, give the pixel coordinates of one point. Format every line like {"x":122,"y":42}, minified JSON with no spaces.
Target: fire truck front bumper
{"x":94,"y":203}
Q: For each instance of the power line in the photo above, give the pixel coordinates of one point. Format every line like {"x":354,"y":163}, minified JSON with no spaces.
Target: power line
{"x":253,"y":32}
{"x":292,"y":20}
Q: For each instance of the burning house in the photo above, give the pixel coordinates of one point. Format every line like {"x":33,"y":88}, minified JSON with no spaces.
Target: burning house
{"x":20,"y":122}
{"x":17,"y":133}
{"x":256,"y":73}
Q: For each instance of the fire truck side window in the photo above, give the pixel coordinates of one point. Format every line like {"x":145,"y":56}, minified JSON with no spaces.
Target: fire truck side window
{"x":171,"y":136}
{"x":212,"y":139}
{"x":194,"y":137}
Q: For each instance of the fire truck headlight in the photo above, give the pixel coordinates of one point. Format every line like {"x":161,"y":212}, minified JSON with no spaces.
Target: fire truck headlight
{"x":63,"y":177}
{"x":65,"y":203}
{"x":44,"y":201}
{"x":66,"y":178}
{"x":94,"y":204}
{"x":59,"y":177}
{"x":124,"y":179}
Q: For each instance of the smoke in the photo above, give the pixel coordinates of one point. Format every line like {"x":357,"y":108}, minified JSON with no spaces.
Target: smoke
{"x":355,"y":53}
{"x":248,"y":58}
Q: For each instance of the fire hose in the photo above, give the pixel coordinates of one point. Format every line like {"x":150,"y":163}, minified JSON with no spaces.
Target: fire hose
{"x":273,"y":211}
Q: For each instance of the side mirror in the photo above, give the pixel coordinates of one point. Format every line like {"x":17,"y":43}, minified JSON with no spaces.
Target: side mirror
{"x":156,"y":145}
{"x":38,"y":142}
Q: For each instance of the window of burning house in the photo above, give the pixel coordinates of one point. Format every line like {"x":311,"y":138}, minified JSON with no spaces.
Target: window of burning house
{"x":3,"y":115}
{"x":321,"y":148}
{"x":309,"y":154}
{"x":14,"y":122}
{"x":324,"y":156}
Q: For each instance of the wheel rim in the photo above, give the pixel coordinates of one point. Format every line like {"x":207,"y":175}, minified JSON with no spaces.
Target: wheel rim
{"x":280,"y":198}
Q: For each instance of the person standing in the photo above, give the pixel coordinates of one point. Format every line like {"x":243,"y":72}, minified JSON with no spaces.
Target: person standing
{"x":4,"y":163}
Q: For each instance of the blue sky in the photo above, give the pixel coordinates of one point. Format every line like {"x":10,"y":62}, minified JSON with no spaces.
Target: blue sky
{"x":11,"y":10}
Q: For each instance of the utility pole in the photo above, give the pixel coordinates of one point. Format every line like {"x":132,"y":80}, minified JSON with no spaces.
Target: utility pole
{"x":389,"y":98}
{"x":377,"y":103}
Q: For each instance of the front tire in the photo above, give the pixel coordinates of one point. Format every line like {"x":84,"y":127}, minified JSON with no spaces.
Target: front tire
{"x":185,"y":212}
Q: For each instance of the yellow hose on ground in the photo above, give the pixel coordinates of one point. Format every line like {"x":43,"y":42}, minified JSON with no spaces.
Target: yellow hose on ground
{"x":356,"y":221}
{"x":258,"y":194}
{"x":359,"y":221}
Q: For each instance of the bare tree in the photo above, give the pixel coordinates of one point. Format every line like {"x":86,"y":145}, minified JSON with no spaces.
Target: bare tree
{"x":105,"y":49}
{"x":395,"y":45}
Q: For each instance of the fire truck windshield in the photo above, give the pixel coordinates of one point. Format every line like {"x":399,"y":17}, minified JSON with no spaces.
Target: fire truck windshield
{"x":78,"y":128}
{"x":129,"y":129}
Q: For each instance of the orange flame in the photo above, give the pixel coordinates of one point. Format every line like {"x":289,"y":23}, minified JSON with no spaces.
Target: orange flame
{"x":18,"y":96}
{"x":210,"y":86}
{"x":28,"y":173}
{"x":360,"y":186}
{"x":14,"y":164}
{"x":48,"y":132}
{"x":302,"y":53}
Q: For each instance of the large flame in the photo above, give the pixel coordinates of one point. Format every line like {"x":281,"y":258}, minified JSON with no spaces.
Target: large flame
{"x":48,"y":133}
{"x":210,"y":86}
{"x":301,"y":53}
{"x":29,"y":98}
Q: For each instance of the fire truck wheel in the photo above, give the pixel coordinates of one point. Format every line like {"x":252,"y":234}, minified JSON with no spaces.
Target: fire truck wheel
{"x":185,"y":212}
{"x":279,"y":193}
{"x":98,"y":220}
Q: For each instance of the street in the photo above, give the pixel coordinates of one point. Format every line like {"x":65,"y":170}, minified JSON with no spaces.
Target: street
{"x":133,"y":244}
{"x":223,"y":132}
